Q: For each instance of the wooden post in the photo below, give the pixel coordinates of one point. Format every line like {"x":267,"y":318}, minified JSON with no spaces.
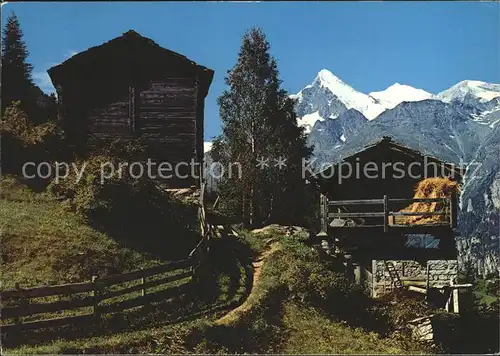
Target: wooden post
{"x":427,"y":283}
{"x":386,"y":212}
{"x":449,"y":301}
{"x":324,"y":213}
{"x":456,"y":305}
{"x":349,"y":267}
{"x":454,"y":297}
{"x":216,"y":202}
{"x":453,"y":210}
{"x":143,"y":281}
{"x":18,"y":320}
{"x":358,"y":276}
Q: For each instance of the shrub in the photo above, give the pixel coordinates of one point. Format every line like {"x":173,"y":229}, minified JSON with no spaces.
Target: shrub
{"x":134,"y":211}
{"x":22,"y":141}
{"x":307,"y":278}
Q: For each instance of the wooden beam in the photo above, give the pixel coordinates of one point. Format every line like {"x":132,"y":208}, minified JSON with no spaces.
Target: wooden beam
{"x":47,"y":323}
{"x":407,"y":213}
{"x":418,"y":200}
{"x":457,"y":286}
{"x":38,"y":308}
{"x":381,"y":201}
{"x":145,"y":285}
{"x":355,"y":202}
{"x":356,"y":215}
{"x":386,"y":216}
{"x":47,"y":291}
{"x":417,"y":289}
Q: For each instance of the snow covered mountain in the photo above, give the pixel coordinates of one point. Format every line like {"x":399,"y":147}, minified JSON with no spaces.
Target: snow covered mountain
{"x":460,"y":125}
{"x":328,"y":96}
{"x":398,"y":93}
{"x":473,"y":90}
{"x":480,"y":100}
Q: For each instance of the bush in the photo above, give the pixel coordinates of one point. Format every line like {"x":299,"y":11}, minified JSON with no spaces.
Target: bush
{"x":307,"y":278}
{"x":22,"y":141}
{"x":134,"y":211}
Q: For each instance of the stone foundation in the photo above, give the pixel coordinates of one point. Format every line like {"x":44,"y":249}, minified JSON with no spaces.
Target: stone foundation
{"x":437,"y":273}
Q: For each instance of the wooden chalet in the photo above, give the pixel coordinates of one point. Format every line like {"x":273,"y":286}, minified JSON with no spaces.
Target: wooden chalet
{"x":358,"y":211}
{"x":128,"y":88}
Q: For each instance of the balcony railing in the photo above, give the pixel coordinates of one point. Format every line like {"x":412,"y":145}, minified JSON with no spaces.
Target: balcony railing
{"x":386,"y":217}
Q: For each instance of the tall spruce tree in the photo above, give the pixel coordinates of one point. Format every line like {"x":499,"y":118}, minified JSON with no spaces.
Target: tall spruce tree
{"x":259,"y":130}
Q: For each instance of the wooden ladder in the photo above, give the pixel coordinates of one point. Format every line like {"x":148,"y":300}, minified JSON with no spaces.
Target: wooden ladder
{"x":394,"y":275}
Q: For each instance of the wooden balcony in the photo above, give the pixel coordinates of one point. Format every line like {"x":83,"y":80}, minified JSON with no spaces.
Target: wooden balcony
{"x":382,"y":214}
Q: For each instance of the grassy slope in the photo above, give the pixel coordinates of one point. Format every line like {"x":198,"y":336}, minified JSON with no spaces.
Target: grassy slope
{"x":44,"y":243}
{"x":225,"y":288}
{"x":307,"y":330}
{"x":311,"y":332}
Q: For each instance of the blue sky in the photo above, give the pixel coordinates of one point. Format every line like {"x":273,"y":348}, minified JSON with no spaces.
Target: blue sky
{"x":369,"y":45}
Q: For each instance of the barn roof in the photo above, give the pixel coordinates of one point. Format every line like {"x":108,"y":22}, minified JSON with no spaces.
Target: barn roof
{"x":391,"y":145}
{"x":129,"y":45}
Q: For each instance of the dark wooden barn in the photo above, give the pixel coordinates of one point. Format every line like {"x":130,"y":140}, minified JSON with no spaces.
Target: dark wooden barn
{"x":128,"y":88}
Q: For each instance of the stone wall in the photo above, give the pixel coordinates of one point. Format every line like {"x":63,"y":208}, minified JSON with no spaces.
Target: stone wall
{"x":422,"y":329}
{"x":440,"y":272}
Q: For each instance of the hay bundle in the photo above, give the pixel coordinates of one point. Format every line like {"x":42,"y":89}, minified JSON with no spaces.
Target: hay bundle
{"x":429,"y":188}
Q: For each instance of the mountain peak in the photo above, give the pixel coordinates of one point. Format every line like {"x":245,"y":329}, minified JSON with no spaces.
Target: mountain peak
{"x":346,"y":94}
{"x":483,"y":91}
{"x":327,"y":77}
{"x":398,"y":93}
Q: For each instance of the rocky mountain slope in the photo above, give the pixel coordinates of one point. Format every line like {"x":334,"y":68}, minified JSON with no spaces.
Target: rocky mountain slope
{"x":458,"y":125}
{"x":480,"y":207}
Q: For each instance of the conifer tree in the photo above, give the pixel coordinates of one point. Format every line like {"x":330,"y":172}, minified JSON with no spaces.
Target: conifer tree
{"x":259,"y":131}
{"x":17,"y":82}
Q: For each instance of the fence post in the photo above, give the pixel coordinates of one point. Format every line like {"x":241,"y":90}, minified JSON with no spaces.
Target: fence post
{"x":386,"y":213}
{"x":194,"y":275}
{"x":18,"y":320}
{"x":96,"y":296}
{"x":427,"y":280}
{"x":143,"y":282}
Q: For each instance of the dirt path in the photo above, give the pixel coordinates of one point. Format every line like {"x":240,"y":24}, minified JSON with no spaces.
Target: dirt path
{"x":235,"y":314}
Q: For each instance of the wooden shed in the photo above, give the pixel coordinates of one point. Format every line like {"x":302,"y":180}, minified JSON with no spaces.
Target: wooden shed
{"x":362,"y":198}
{"x":130,"y":87}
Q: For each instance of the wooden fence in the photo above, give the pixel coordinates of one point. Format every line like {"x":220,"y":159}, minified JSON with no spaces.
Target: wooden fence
{"x":24,"y":309}
{"x":138,"y":288}
{"x":449,"y":212}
